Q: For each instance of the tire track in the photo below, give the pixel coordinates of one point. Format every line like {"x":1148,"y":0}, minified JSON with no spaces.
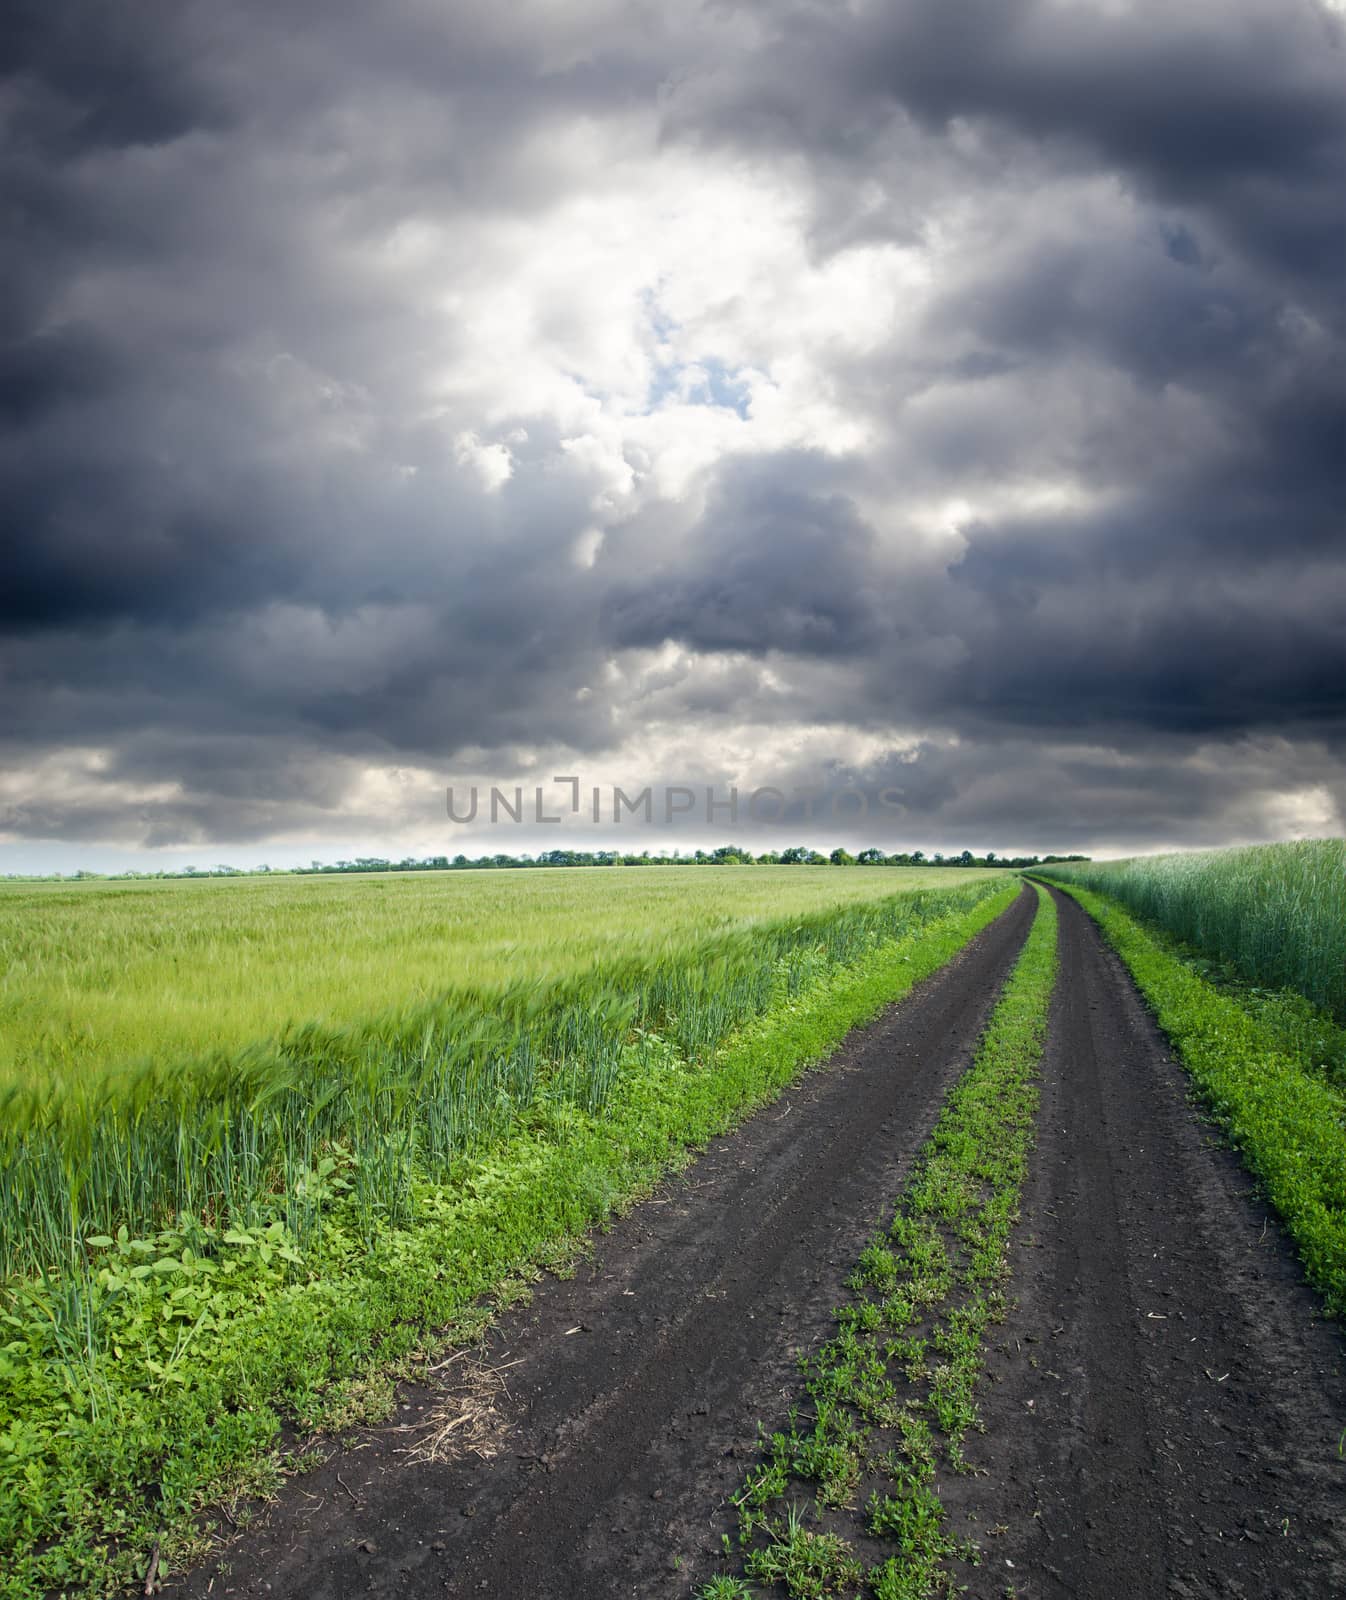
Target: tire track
{"x":1169,"y":1401}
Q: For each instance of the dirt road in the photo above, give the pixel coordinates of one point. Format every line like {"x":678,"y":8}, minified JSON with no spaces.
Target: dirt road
{"x":1166,"y":1408}
{"x":1169,"y":1405}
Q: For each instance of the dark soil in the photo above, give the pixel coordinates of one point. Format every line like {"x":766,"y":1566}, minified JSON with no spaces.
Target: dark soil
{"x":1170,"y":1402}
{"x":633,"y":1390}
{"x":1166,"y":1404}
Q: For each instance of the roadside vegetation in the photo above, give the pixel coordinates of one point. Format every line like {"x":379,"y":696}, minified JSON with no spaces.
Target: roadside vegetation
{"x":198,"y":1256}
{"x":1272,"y":915}
{"x":1270,"y":1068}
{"x":890,"y":1399}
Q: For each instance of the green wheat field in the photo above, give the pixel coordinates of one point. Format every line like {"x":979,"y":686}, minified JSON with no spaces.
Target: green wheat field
{"x":194,"y":1045}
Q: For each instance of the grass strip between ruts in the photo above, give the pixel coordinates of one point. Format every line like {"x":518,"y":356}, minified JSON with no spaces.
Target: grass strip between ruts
{"x":891,"y":1396}
{"x":86,"y":1493}
{"x":1286,"y":1121}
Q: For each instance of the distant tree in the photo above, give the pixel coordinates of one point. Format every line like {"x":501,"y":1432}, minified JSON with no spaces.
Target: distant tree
{"x":842,"y":858}
{"x":794,"y":856}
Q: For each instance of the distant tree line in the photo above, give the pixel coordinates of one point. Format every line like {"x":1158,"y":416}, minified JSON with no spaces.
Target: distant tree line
{"x":725,"y":856}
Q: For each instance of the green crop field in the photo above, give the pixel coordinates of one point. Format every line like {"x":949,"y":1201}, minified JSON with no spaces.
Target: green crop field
{"x":1274,"y":914}
{"x":110,"y":974}
{"x":195,"y":1047}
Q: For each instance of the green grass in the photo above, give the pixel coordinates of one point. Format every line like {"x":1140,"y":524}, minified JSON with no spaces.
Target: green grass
{"x":111,"y":975}
{"x":101,"y":1141}
{"x":1265,"y":1085}
{"x":1275,"y":914}
{"x":153,"y":1373}
{"x":891,"y":1397}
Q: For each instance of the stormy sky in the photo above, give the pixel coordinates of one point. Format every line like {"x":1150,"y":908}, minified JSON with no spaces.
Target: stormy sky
{"x":945,"y":395}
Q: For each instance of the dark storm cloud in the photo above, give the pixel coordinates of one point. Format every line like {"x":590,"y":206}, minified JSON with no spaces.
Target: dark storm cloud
{"x":246,"y":550}
{"x":779,"y":562}
{"x":86,"y":76}
{"x":1165,"y":790}
{"x":1234,"y":109}
{"x":1186,"y":94}
{"x":1110,"y":627}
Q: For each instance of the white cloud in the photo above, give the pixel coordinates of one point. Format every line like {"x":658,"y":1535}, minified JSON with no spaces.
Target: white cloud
{"x":492,"y":463}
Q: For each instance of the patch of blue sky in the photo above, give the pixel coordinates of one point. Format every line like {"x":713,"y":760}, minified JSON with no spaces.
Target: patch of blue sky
{"x":700,"y":383}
